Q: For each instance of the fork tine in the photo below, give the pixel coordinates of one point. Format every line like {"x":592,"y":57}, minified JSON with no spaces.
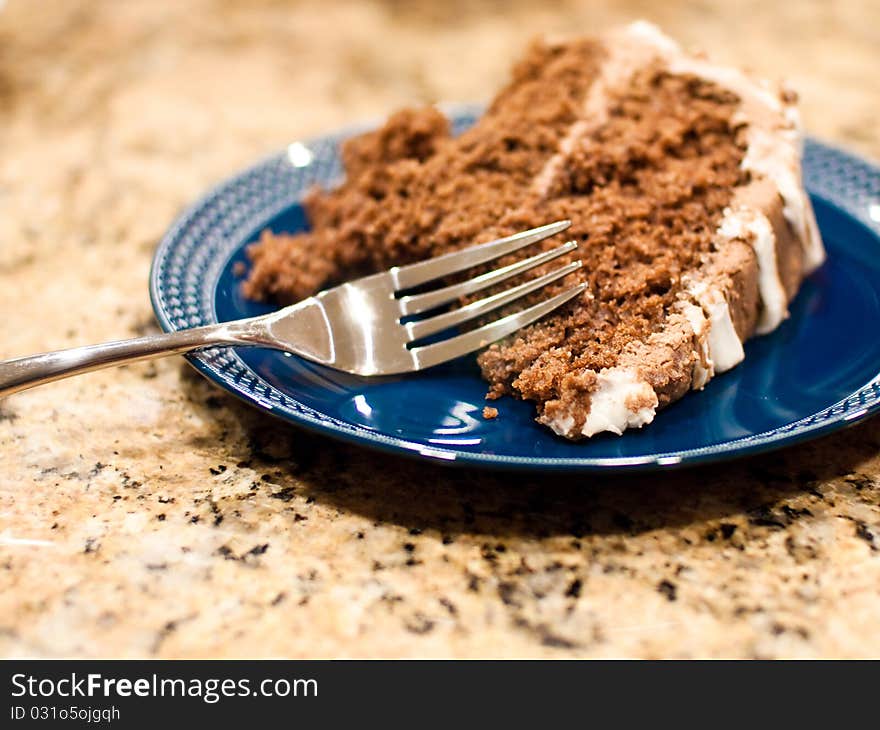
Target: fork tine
{"x":417,"y":303}
{"x":438,"y":352}
{"x":432,"y":325}
{"x":406,"y":277}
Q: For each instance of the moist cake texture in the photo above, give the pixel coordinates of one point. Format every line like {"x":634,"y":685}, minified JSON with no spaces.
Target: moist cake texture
{"x":681,"y":179}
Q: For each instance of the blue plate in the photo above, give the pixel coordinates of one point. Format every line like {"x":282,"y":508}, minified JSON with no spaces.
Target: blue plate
{"x":820,"y":371}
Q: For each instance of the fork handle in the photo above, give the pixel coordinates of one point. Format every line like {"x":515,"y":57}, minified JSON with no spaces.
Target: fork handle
{"x":22,"y":373}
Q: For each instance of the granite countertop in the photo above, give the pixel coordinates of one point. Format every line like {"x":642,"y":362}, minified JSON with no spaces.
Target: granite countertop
{"x":145,"y":513}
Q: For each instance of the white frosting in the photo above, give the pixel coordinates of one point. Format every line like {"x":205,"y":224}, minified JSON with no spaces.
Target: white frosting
{"x":754,"y":227}
{"x":725,"y":347}
{"x":651,"y":35}
{"x":609,"y":409}
{"x":609,"y":405}
{"x":778,"y":160}
{"x":562,"y":425}
{"x":704,"y":368}
{"x":793,"y":117}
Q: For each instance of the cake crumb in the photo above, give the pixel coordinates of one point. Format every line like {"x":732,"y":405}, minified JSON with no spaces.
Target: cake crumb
{"x":239,"y":269}
{"x":489,"y":413}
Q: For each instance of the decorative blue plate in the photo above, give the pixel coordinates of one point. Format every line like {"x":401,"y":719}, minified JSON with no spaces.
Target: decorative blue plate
{"x":820,"y":371}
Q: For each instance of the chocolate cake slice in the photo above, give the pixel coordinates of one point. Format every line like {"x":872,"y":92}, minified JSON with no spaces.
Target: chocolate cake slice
{"x":683,"y":184}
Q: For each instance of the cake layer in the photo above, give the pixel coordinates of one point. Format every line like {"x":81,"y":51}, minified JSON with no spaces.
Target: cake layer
{"x":682,"y":182}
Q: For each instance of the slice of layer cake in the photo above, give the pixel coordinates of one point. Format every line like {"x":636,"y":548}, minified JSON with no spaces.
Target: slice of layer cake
{"x":683,"y":184}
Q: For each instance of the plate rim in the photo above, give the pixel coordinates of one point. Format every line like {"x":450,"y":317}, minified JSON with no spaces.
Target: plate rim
{"x":839,"y":415}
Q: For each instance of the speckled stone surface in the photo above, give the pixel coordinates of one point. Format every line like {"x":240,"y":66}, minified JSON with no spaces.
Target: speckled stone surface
{"x":144,"y":513}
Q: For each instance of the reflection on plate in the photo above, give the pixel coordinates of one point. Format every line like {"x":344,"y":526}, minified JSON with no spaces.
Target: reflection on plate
{"x":818,"y":372}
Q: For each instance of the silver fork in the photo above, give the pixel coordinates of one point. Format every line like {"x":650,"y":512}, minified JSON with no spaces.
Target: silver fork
{"x":355,"y":327}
